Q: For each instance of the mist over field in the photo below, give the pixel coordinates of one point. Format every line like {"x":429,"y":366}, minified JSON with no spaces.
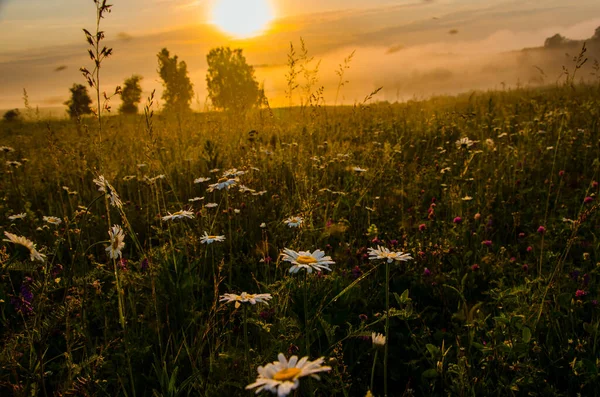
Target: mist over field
{"x":412,"y":50}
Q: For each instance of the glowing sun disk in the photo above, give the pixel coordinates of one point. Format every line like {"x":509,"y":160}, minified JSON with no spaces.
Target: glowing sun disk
{"x":242,"y":18}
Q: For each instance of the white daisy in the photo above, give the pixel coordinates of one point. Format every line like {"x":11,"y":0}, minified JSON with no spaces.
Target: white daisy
{"x":263,"y":225}
{"x":53,"y":220}
{"x":245,"y":298}
{"x":305,"y":260}
{"x":259,"y":193}
{"x":128,"y":178}
{"x":214,"y":170}
{"x":464,"y":143}
{"x":294,"y":221}
{"x":117,"y":242}
{"x":378,"y":339}
{"x":111,"y":193}
{"x":211,"y":205}
{"x":384,"y":253}
{"x":34,"y":255}
{"x":6,"y":149}
{"x":196,"y":199}
{"x":359,"y":170}
{"x":22,"y":215}
{"x":206,"y":239}
{"x":232,"y":173}
{"x":14,"y":164}
{"x":283,"y":376}
{"x":201,"y":179}
{"x":223,"y":183}
{"x":179,"y":215}
{"x":244,"y":189}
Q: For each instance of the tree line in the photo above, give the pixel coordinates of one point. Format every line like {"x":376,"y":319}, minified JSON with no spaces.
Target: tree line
{"x":230,"y":82}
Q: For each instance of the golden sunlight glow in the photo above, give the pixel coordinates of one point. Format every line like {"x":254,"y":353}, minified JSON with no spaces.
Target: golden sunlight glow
{"x":242,"y":18}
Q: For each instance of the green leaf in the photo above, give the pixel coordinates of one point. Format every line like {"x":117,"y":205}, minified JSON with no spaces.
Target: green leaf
{"x":526,"y":334}
{"x":433,"y":350}
{"x":430,"y":373}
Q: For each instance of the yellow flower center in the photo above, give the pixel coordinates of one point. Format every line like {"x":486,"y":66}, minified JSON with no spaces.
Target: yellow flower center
{"x":115,"y":244}
{"x":287,"y":374}
{"x":305,"y":260}
{"x":222,"y":180}
{"x":211,"y":237}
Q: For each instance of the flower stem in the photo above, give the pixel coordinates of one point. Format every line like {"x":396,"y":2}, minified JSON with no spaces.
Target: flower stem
{"x":246,"y":339}
{"x":387,"y":328}
{"x":306,"y":337}
{"x":373,"y":369}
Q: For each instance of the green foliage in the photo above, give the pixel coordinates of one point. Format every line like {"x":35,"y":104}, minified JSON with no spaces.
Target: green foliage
{"x":12,"y":115}
{"x":230,"y":80}
{"x":178,"y":89}
{"x":488,"y":306}
{"x":131,"y":95}
{"x":79,"y":104}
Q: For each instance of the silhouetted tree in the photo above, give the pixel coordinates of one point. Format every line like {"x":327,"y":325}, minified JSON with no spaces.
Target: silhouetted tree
{"x":596,"y":35}
{"x":12,"y":115}
{"x":555,"y":41}
{"x":80,"y":101}
{"x":178,"y":91}
{"x":230,"y":80}
{"x":131,"y":95}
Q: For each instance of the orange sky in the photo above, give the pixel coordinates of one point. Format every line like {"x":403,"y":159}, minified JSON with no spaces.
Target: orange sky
{"x":411,"y":48}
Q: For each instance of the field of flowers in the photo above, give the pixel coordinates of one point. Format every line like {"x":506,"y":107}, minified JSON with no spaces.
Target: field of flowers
{"x":439,"y":247}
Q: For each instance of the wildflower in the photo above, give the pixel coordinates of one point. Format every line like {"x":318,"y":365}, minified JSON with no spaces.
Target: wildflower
{"x":232,"y":173}
{"x":34,"y":255}
{"x":117,"y":242}
{"x":588,"y":200}
{"x":525,"y":267}
{"x":6,"y":149}
{"x":201,"y":179}
{"x":263,"y":225}
{"x":595,"y":184}
{"x":206,"y":239}
{"x":307,"y":260}
{"x":369,"y":394}
{"x":363,"y":317}
{"x":179,"y":215}
{"x":283,"y":376}
{"x":195,"y":199}
{"x":561,"y":173}
{"x":467,"y":198}
{"x":378,"y":339}
{"x":487,"y":243}
{"x":106,"y":187}
{"x":475,"y":267}
{"x":128,"y":178}
{"x":384,"y":253}
{"x":53,"y":220}
{"x":211,"y":205}
{"x":457,"y":220}
{"x":426,"y":272}
{"x":477,"y":216}
{"x":22,"y":215}
{"x":580,"y":293}
{"x":464,"y":143}
{"x":294,"y":221}
{"x":359,"y":170}
{"x":221,"y":184}
{"x":214,"y":170}
{"x":144,"y":265}
{"x":14,"y":164}
{"x":422,"y":227}
{"x":245,"y":298}
{"x":541,"y":230}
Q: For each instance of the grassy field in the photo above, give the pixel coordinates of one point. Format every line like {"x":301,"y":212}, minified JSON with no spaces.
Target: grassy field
{"x":498,"y":297}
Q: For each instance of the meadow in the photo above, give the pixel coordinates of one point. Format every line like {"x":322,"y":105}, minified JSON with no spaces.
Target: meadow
{"x":486,"y":202}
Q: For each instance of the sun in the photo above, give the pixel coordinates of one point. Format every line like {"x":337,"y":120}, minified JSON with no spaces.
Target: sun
{"x":242,"y":18}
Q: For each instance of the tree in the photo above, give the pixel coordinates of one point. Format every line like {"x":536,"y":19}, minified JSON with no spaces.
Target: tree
{"x":131,"y":95}
{"x":80,"y":101}
{"x":555,"y":41}
{"x":179,"y":90}
{"x":596,"y":35}
{"x":12,"y":115}
{"x":230,"y":80}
